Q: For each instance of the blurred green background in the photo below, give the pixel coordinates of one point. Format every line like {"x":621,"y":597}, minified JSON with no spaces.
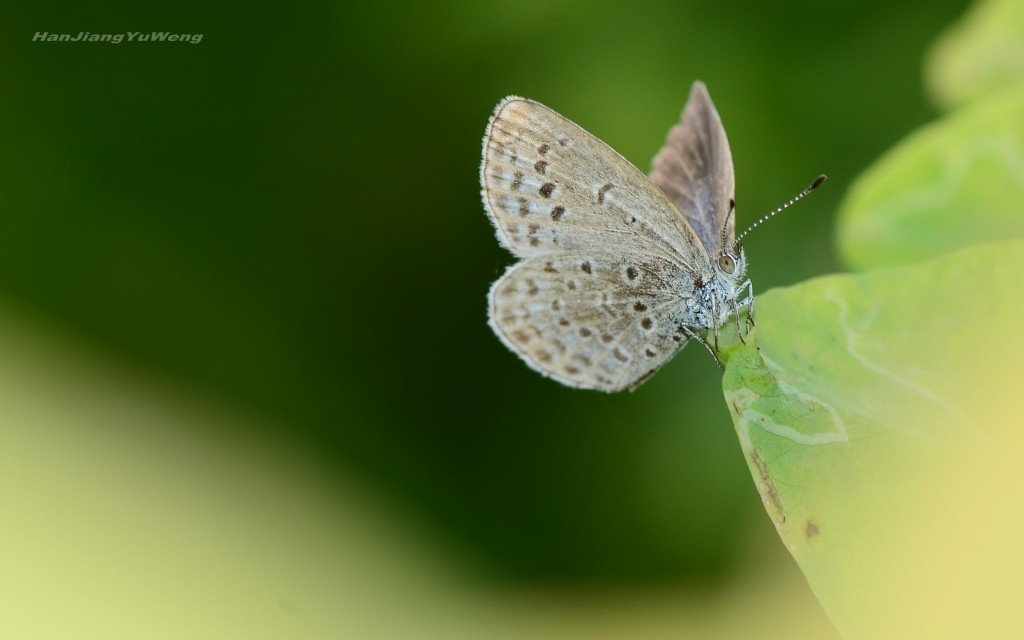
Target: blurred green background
{"x":286,"y":217}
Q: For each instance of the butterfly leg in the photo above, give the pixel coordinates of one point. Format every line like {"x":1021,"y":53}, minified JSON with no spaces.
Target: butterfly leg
{"x":736,"y":315}
{"x":748,"y":302}
{"x":715,"y":320}
{"x":750,"y":306}
{"x":734,"y":311}
{"x":689,"y":333}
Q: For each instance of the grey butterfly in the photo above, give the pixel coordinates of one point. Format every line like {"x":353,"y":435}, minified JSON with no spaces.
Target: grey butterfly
{"x":617,"y":271}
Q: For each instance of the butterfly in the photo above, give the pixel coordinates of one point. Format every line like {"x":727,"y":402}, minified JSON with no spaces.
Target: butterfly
{"x":617,"y":271}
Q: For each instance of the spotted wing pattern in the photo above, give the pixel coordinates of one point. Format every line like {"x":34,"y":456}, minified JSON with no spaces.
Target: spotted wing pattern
{"x":551,"y":187}
{"x":600,"y":297}
{"x":588,"y":320}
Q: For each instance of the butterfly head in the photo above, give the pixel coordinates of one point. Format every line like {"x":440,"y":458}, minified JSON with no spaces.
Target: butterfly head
{"x":732,"y":262}
{"x":731,"y":269}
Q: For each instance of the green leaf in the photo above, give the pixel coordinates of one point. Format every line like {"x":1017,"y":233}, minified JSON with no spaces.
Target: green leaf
{"x":880,"y":417}
{"x":955,"y":183}
{"x":981,"y":54}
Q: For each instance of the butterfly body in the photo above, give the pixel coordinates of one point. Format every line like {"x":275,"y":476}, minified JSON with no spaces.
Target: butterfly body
{"x":617,"y":270}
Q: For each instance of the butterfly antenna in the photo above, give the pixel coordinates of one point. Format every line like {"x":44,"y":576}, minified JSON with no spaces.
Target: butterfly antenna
{"x":814,"y":185}
{"x":730,"y":215}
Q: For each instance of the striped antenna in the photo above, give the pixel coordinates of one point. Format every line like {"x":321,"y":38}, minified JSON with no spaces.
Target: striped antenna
{"x":814,"y":185}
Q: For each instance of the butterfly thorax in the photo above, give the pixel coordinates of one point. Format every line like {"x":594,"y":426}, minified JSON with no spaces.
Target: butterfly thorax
{"x":716,"y":293}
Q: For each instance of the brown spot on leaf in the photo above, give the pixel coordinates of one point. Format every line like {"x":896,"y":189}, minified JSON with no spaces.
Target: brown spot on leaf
{"x":543,"y":149}
{"x":810,"y":530}
{"x":766,"y":487}
{"x":543,"y":356}
{"x":547,"y":189}
{"x":585,"y":332}
{"x":540,"y":166}
{"x":557,"y":213}
{"x":585,"y":267}
{"x":640,"y":307}
{"x":646,"y":323}
{"x":631,"y":272}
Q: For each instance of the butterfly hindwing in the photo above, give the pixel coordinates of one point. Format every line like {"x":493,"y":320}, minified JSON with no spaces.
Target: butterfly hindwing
{"x":695,"y":171}
{"x":590,"y":321}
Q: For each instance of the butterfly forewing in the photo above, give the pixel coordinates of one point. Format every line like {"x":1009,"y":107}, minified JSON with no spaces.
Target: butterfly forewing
{"x":589,"y":320}
{"x":694,"y":169}
{"x":551,"y":187}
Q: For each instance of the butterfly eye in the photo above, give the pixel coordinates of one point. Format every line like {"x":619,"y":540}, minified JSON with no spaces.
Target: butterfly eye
{"x":726,"y":263}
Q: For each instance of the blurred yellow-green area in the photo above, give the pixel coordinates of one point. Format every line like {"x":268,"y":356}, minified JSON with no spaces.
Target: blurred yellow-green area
{"x":248,"y":389}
